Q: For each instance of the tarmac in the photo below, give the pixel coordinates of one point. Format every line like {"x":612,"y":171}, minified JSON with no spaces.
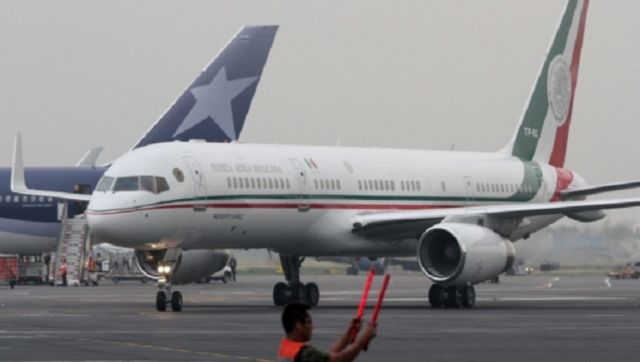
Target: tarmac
{"x":526,"y":318}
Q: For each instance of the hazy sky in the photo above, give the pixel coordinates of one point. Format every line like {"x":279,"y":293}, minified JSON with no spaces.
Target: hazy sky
{"x":413,"y":74}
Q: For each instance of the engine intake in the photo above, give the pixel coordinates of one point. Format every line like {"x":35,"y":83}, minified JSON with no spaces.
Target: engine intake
{"x":188,"y":265}
{"x":457,"y":254}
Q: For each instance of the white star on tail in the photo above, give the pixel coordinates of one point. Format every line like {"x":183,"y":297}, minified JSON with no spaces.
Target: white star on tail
{"x":214,"y":100}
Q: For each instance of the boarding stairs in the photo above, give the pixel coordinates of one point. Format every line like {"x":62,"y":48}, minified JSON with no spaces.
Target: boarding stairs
{"x":74,"y":245}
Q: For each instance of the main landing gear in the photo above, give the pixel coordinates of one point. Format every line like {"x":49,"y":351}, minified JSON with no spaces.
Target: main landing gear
{"x":294,"y":291}
{"x":452,"y":296}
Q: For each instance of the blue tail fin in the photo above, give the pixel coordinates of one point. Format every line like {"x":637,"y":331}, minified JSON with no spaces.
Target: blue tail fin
{"x":215,"y":105}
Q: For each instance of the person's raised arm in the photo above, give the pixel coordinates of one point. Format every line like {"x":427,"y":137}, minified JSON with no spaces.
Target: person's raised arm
{"x":350,"y":352}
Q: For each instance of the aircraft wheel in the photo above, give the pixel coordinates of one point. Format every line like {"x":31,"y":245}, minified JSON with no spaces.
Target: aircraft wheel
{"x":436,"y":296}
{"x":297,"y":293}
{"x":312,"y":293}
{"x":280,"y":295}
{"x":176,"y":301}
{"x":454,"y":297}
{"x":468,"y":296}
{"x":161,"y":301}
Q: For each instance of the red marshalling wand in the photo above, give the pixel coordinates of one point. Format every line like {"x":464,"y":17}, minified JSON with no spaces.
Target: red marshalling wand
{"x":376,"y":311}
{"x":363,"y":303}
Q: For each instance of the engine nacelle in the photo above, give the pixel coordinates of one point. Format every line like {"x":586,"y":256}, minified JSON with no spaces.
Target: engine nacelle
{"x":188,"y":265}
{"x":457,"y":254}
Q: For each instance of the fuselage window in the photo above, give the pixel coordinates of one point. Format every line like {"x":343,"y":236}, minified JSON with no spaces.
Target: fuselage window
{"x":360,"y":185}
{"x":240,"y":182}
{"x":259,"y":182}
{"x":418,"y":185}
{"x":105,"y":184}
{"x":333,"y":184}
{"x":315,"y":184}
{"x":338,"y":184}
{"x":147,"y":184}
{"x":228,"y":182}
{"x":443,"y":185}
{"x":270,"y":183}
{"x":126,"y":184}
{"x":16,"y":198}
{"x":253,"y":183}
{"x":7,"y":198}
{"x":393,"y":185}
{"x":235,"y":183}
{"x":402,"y":185}
{"x":288,"y":184}
{"x":276,"y":183}
{"x":386,"y":185}
{"x":25,"y":198}
{"x":282,"y":184}
{"x":32,"y":198}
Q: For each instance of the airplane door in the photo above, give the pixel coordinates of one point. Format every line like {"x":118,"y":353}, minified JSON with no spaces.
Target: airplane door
{"x":303,"y":184}
{"x":468,"y":187}
{"x":199,"y":183}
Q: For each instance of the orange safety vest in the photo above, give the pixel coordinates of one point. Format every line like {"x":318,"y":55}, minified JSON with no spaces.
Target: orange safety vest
{"x":289,"y":349}
{"x":63,"y":268}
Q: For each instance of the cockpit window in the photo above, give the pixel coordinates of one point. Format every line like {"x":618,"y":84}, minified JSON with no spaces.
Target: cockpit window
{"x":126,"y":184}
{"x":147,"y":184}
{"x":105,"y":184}
{"x":153,"y":184}
{"x":161,"y":184}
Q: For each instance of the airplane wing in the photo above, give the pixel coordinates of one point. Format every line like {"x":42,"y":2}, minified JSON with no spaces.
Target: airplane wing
{"x":19,"y":186}
{"x":414,"y":223}
{"x":596,"y":189}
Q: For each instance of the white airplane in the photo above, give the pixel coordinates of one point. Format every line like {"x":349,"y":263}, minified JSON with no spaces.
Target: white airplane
{"x":459,"y":212}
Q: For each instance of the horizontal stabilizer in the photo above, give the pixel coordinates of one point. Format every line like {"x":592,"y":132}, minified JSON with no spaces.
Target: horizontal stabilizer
{"x":570,"y":194}
{"x":19,"y":186}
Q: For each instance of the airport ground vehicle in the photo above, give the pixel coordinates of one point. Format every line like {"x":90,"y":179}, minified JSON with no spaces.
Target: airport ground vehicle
{"x":223,"y":275}
{"x":627,"y":272}
{"x":9,"y":269}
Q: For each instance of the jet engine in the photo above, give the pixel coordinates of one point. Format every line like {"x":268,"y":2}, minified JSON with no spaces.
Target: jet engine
{"x":185,"y":266}
{"x":461,"y":254}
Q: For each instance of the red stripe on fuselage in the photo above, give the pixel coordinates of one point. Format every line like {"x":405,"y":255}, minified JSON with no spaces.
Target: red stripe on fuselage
{"x":562,"y":134}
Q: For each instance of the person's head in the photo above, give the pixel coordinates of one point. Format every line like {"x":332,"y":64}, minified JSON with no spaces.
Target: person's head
{"x":297,"y":321}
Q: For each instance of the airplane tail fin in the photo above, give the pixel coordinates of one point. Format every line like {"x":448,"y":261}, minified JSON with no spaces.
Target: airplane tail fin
{"x":544,"y":126}
{"x":214,"y":107}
